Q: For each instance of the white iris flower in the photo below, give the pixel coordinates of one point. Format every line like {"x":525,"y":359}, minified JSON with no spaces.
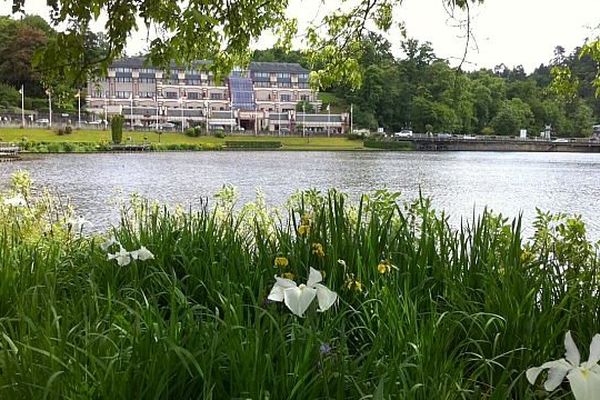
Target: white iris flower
{"x":584,"y":378}
{"x":142,"y":254}
{"x":78,"y":223}
{"x":16,"y":201}
{"x":299,"y":298}
{"x":123,"y":257}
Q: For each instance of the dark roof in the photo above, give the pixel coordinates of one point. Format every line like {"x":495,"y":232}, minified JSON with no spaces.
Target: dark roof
{"x":140,"y":62}
{"x":292,"y":68}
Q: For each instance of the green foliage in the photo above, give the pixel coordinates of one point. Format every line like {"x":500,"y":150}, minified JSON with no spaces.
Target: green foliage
{"x":459,"y":312}
{"x":305,"y":106}
{"x":263,"y":144}
{"x":116,"y":128}
{"x":512,"y":116}
{"x":9,"y":96}
{"x":389,"y":144}
{"x":192,"y":132}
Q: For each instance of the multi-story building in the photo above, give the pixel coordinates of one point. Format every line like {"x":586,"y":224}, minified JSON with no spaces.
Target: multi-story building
{"x":262,"y":98}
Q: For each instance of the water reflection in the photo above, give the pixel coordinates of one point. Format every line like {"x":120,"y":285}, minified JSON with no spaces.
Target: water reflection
{"x":458,"y":182}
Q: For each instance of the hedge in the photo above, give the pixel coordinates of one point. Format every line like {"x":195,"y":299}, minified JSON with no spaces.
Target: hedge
{"x":267,"y":144}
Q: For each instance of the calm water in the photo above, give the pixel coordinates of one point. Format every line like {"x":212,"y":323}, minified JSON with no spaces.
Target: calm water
{"x":457,"y":182}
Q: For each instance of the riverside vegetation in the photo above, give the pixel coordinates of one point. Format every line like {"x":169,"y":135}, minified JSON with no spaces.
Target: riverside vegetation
{"x":419,"y":310}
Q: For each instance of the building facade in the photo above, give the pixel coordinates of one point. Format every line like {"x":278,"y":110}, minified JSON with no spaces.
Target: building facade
{"x":261,"y":98}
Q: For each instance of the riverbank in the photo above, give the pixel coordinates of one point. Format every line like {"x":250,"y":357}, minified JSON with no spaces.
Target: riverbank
{"x":185,"y":305}
{"x":83,"y":141}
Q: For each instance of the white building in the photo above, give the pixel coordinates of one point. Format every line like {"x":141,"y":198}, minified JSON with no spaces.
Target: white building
{"x":261,"y":98}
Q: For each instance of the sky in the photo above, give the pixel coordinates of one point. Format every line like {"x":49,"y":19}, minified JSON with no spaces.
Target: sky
{"x":513,"y":32}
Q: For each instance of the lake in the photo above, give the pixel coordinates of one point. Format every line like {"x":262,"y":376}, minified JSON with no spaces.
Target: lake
{"x":457,"y":182}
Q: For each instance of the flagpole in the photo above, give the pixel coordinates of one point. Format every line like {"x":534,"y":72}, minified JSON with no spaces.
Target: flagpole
{"x":328,"y":119}
{"x":79,"y":108}
{"x":23,"y":106}
{"x":131,"y":108}
{"x":351,"y":126}
{"x":49,"y":107}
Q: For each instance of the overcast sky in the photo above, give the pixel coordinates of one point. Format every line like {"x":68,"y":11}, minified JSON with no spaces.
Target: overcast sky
{"x":512,"y":32}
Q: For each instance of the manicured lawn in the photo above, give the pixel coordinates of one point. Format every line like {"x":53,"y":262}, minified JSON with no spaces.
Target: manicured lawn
{"x":289,"y":143}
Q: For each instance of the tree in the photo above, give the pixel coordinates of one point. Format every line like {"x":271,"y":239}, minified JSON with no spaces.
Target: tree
{"x":116,"y":128}
{"x":305,"y":106}
{"x":220,"y":31}
{"x":18,"y":44}
{"x":513,"y":115}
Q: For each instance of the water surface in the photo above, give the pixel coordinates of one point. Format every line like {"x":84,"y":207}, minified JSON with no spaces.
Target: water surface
{"x":458,"y":182}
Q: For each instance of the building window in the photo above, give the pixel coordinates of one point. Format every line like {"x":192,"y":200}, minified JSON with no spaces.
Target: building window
{"x":261,"y":74}
{"x":171,"y":95}
{"x":123,"y":79}
{"x":146,"y":95}
{"x":123,"y":94}
{"x":303,"y":76}
{"x":147,"y":71}
{"x":285,"y":84}
{"x":216,"y":96}
{"x":98,"y":93}
{"x":285,"y":97}
{"x":147,"y":80}
{"x":303,"y":85}
{"x":193,"y":95}
{"x":305,"y":97}
{"x":194,"y":82}
{"x":121,"y":69}
{"x":283,"y":75}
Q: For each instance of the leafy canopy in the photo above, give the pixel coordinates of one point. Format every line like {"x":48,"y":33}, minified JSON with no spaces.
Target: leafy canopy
{"x":215,"y":30}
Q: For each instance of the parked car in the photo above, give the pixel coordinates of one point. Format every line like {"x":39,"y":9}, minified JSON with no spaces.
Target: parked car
{"x":404,"y":133}
{"x":42,"y":121}
{"x":560,"y":140}
{"x":443,"y":135}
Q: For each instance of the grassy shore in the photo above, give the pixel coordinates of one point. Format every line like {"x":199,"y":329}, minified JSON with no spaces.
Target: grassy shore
{"x":172,"y":139}
{"x":424,"y":311}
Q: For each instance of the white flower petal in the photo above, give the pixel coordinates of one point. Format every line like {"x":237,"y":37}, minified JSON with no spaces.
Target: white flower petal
{"x":142,"y":254}
{"x":572,"y":353}
{"x":326,"y":297}
{"x":594,"y":351}
{"x":16,"y":201}
{"x":297,"y":299}
{"x":280,"y":285}
{"x":314,"y":277}
{"x":585,"y":384}
{"x":533,"y":373}
{"x":555,"y":377}
{"x":123,"y":257}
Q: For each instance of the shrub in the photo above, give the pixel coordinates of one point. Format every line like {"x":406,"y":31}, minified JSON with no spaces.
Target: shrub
{"x":69,"y":147}
{"x":219,"y":134}
{"x":60,"y":131}
{"x":388,"y":145}
{"x":116,"y":128}
{"x":68,"y":130}
{"x":264,"y":144}
{"x":192,"y":132}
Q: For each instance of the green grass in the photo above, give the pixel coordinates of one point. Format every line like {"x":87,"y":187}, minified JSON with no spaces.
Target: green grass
{"x":462,"y":314}
{"x":176,"y":138}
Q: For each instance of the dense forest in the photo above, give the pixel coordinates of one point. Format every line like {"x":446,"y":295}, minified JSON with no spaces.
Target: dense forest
{"x":424,"y":93}
{"x":418,"y":90}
